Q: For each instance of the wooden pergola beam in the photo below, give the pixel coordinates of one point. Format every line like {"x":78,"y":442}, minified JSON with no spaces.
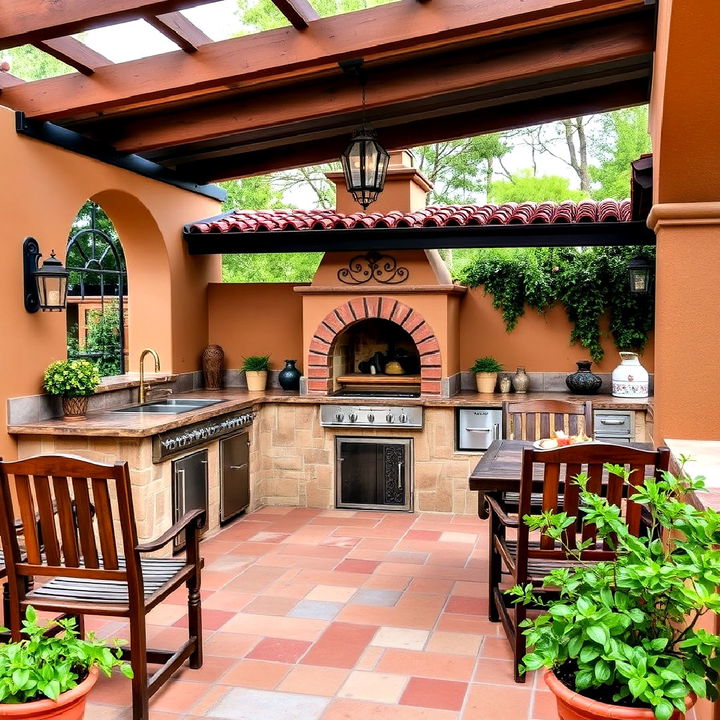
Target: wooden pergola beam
{"x":285,"y":54}
{"x":30,"y":21}
{"x":523,"y":65}
{"x":299,"y":12}
{"x":74,"y":53}
{"x":176,"y":27}
{"x":7,"y":80}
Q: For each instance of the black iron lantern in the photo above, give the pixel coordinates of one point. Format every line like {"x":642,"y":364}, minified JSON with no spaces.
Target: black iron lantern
{"x":639,"y":269}
{"x":45,"y":286}
{"x":365,"y":163}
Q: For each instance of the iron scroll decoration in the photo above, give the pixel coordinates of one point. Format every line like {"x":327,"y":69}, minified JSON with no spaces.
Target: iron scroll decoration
{"x":373,"y":266}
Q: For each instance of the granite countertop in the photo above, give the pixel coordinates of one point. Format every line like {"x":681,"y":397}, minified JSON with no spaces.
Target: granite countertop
{"x":113,"y":424}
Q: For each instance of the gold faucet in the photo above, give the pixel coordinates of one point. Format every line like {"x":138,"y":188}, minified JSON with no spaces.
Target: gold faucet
{"x":143,"y":387}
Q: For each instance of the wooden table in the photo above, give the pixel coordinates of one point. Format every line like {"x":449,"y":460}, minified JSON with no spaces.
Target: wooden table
{"x":499,"y":469}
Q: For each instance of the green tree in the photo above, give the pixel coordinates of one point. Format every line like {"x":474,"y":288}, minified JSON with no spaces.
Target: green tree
{"x":526,"y":188}
{"x":622,"y":137}
{"x":29,"y":63}
{"x":252,"y":193}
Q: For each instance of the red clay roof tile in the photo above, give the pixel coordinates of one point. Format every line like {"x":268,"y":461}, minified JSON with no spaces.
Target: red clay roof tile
{"x":433,"y":216}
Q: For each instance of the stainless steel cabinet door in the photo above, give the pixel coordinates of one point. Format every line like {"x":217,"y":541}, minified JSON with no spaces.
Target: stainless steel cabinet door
{"x":234,"y":475}
{"x":190,"y":488}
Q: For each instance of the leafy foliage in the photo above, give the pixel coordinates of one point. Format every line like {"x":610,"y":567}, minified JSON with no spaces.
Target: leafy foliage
{"x":629,"y":624}
{"x":29,"y":63}
{"x":102,"y":343}
{"x":40,"y":666}
{"x":587,"y":281}
{"x":524,"y":187}
{"x":256,"y":363}
{"x":486,"y":364}
{"x":71,"y":378}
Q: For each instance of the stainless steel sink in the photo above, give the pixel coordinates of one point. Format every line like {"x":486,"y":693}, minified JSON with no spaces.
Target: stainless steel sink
{"x":172,"y":406}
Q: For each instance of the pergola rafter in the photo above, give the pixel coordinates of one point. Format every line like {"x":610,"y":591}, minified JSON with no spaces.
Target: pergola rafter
{"x":74,"y":53}
{"x":300,"y":13}
{"x":176,"y":27}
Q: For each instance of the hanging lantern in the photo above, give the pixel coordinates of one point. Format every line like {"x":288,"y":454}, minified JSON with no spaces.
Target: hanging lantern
{"x":45,"y":287}
{"x":365,"y":163}
{"x":639,"y":275}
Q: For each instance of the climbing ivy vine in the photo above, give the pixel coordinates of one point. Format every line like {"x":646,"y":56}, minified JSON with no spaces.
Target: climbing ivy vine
{"x":588,"y":282}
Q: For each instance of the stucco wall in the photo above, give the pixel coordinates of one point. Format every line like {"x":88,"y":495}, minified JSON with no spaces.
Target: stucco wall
{"x":42,"y":189}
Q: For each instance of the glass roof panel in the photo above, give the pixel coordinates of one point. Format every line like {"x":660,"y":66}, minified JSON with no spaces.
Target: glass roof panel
{"x":218,"y":20}
{"x":127,"y":41}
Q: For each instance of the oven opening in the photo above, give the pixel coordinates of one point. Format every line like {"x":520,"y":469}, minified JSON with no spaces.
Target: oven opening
{"x":373,"y":473}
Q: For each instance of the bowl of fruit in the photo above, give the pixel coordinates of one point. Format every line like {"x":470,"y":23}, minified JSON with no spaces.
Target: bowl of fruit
{"x":560,"y":438}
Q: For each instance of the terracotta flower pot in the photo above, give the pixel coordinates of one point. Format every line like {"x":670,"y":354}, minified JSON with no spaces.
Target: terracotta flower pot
{"x":74,"y":408}
{"x":486,"y":382}
{"x":69,"y":705}
{"x":256,"y":380}
{"x":572,"y":706}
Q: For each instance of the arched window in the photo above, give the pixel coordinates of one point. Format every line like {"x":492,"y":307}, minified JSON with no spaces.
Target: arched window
{"x":97,"y":292}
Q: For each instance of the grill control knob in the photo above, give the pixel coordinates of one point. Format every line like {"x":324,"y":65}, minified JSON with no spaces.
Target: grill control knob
{"x":352,"y":417}
{"x":339,"y":417}
{"x":389,"y":418}
{"x":403,"y":418}
{"x":371,"y":417}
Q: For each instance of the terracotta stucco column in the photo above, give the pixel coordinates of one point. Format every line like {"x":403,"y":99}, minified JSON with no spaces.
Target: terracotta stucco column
{"x":685,"y":127}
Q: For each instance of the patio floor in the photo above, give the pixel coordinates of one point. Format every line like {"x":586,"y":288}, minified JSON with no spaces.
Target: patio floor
{"x":330,"y":615}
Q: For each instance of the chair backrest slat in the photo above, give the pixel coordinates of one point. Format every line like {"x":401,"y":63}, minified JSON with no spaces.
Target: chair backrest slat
{"x":66,"y":520}
{"x":536,"y":419}
{"x":557,"y":468}
{"x":46,"y":519}
{"x":84,"y":521}
{"x":26,"y":507}
{"x":104,"y":518}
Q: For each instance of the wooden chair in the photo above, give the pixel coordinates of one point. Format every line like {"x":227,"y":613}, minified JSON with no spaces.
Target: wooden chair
{"x":529,"y":560}
{"x":536,"y":419}
{"x":84,"y":550}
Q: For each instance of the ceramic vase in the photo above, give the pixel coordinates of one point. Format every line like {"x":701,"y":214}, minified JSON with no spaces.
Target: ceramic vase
{"x":630,"y":378}
{"x":289,"y":377}
{"x":213,"y":360}
{"x":583,"y":382}
{"x":520,"y":381}
{"x":505,"y":384}
{"x":74,"y":408}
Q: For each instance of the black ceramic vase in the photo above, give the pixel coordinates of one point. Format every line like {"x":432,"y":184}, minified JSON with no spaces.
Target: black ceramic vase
{"x":583,"y":382}
{"x":289,"y":377}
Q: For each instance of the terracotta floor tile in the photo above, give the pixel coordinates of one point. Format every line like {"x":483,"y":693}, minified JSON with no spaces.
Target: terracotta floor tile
{"x":496,"y":647}
{"x":343,"y":709}
{"x":357,"y":566}
{"x":268,"y":605}
{"x":311,"y":680}
{"x":401,"y":638}
{"x":212,"y":670}
{"x":544,"y":706}
{"x":208,"y":700}
{"x":492,"y":702}
{"x":469,"y":624}
{"x":431,"y":535}
{"x":460,"y":605}
{"x":458,"y":537}
{"x":373,"y":686}
{"x":279,"y":649}
{"x":273,"y":626}
{"x":256,"y":674}
{"x":470,"y":589}
{"x":369,"y":659}
{"x":431,"y":585}
{"x":227,"y":600}
{"x":331,"y":593}
{"x":166,"y":614}
{"x":340,"y":645}
{"x":441,"y":694}
{"x":454,"y":643}
{"x":228,"y":644}
{"x":212,"y":619}
{"x":427,"y":664}
{"x":178,"y":695}
{"x":387,"y":582}
{"x":494,"y":672}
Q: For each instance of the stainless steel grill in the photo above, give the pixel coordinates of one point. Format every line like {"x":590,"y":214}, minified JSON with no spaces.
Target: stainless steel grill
{"x":371,"y":416}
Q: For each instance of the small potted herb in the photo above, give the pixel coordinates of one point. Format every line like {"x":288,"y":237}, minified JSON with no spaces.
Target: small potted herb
{"x":622,"y":639}
{"x":43,"y":676}
{"x":486,"y":370}
{"x":74,"y":381}
{"x":256,"y":370}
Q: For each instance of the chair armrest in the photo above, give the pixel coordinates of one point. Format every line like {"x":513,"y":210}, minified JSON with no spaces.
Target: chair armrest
{"x":502,"y":516}
{"x":194,"y":518}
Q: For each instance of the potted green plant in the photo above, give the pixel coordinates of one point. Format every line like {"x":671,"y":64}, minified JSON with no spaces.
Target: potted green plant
{"x":256,"y":370}
{"x":74,"y":381}
{"x":622,"y":639}
{"x":486,"y":370}
{"x":49,"y":676}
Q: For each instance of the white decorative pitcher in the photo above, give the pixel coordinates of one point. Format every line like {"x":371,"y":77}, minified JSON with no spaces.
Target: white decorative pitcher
{"x":630,"y":378}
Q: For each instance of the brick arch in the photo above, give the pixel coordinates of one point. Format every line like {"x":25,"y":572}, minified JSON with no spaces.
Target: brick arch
{"x":319,"y":361}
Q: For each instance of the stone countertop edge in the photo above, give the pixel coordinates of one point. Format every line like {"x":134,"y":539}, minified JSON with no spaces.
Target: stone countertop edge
{"x":704,"y":461}
{"x":112,"y":424}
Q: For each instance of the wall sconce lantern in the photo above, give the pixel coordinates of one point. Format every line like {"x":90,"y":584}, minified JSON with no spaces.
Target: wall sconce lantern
{"x":639,"y":275}
{"x":45,"y":287}
{"x":365,"y":161}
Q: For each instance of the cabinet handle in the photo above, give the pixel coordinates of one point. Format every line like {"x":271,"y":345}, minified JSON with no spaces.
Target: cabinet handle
{"x":400,"y":474}
{"x":238,"y":467}
{"x":181,"y":481}
{"x":613,"y":422}
{"x":479,"y":429}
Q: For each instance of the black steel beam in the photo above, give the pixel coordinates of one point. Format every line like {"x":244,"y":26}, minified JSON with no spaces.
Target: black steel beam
{"x":423,"y":238}
{"x":70,"y":140}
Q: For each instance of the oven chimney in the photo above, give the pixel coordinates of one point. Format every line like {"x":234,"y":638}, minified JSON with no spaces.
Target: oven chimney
{"x":406,"y":188}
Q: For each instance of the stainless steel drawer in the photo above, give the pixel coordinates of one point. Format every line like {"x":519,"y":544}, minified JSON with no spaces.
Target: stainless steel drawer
{"x":614,"y":423}
{"x":476,"y":428}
